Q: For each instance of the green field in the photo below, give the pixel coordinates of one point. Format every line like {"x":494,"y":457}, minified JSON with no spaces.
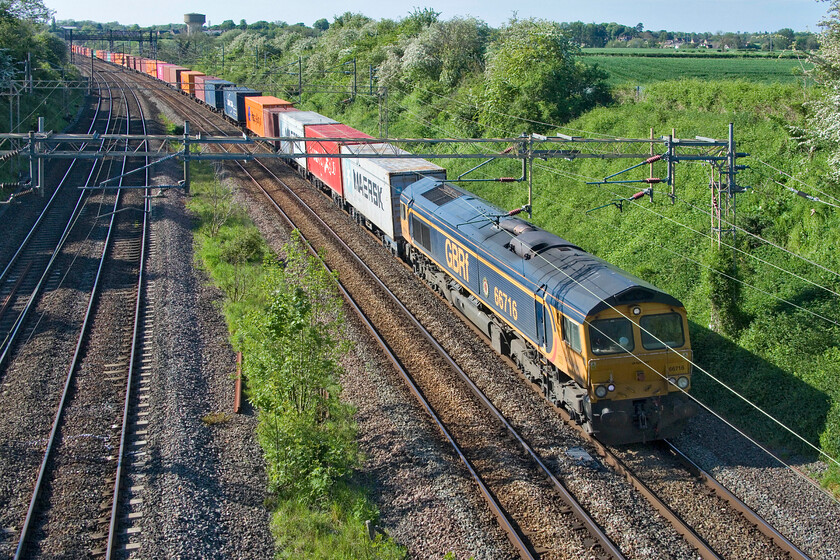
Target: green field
{"x":690,"y":53}
{"x":640,"y":70}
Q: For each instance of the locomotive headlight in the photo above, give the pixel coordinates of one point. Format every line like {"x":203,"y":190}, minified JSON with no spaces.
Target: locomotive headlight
{"x":672,"y":380}
{"x":611,"y":387}
{"x":682,"y":382}
{"x":601,"y":391}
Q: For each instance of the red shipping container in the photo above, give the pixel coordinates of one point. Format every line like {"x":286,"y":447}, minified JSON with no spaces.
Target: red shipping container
{"x":328,"y":169}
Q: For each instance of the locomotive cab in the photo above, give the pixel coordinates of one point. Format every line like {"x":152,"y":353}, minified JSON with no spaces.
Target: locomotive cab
{"x":638,"y":365}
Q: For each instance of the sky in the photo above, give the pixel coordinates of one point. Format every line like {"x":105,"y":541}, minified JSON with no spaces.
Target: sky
{"x":672,"y":15}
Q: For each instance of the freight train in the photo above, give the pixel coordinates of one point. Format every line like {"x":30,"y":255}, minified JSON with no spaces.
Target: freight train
{"x":609,"y":348}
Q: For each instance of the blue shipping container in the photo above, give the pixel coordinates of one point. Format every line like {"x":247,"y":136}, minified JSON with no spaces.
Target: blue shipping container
{"x":235,"y":101}
{"x":214,"y":92}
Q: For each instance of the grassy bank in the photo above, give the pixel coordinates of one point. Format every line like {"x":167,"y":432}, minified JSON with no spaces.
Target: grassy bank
{"x":291,"y":348}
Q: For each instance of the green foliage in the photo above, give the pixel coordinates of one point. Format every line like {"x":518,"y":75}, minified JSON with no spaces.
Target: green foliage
{"x":723,"y":291}
{"x":534,"y":74}
{"x":337,"y":532}
{"x":824,"y":125}
{"x":292,"y":348}
{"x":287,"y":321}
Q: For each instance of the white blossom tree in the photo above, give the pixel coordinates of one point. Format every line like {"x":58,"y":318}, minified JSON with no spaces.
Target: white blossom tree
{"x":825,"y":117}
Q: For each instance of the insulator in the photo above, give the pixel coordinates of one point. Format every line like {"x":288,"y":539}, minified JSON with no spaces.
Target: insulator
{"x":506,"y":179}
{"x":514,"y":212}
{"x":653,"y":180}
{"x":653,"y":159}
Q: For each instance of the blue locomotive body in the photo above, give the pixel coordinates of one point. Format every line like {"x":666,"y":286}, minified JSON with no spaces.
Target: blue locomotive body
{"x":552,"y":308}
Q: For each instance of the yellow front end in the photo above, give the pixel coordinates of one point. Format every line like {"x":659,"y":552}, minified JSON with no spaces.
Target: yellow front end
{"x":638,"y":365}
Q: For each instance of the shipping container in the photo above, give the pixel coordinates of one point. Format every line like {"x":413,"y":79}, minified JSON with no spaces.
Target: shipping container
{"x":328,"y":169}
{"x":294,"y":123}
{"x":255,"y":107}
{"x":178,"y":80}
{"x":214,"y":92}
{"x":199,"y":86}
{"x":151,"y":67}
{"x":162,"y":71}
{"x":272,"y":123}
{"x":373,"y":186}
{"x":188,"y":81}
{"x":235,"y":101}
{"x":173,"y":73}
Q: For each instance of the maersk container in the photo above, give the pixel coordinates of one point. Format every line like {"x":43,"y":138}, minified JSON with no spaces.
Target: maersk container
{"x":255,"y":109}
{"x":373,"y":186}
{"x":214,"y":92}
{"x":294,"y":123}
{"x":235,"y":101}
{"x":328,"y":169}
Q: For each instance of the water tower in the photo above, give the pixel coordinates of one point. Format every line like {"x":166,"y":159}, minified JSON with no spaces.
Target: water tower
{"x":194,"y":22}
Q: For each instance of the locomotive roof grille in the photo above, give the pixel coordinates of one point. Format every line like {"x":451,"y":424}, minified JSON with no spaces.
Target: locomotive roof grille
{"x":441,"y":194}
{"x":533,"y":242}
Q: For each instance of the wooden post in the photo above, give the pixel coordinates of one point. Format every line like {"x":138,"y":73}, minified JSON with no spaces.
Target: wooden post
{"x":237,"y":387}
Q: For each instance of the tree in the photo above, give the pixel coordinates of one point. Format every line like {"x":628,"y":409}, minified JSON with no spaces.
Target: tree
{"x":534,"y":74}
{"x":321,"y":25}
{"x":824,"y":121}
{"x":291,"y":352}
{"x":227,"y":25}
{"x":784,"y":38}
{"x":418,"y":20}
{"x":30,"y":10}
{"x":239,"y":252}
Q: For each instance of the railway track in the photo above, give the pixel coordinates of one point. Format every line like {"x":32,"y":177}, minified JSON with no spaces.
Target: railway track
{"x":28,"y":269}
{"x":79,"y":459}
{"x":709,"y":544}
{"x":486,"y":471}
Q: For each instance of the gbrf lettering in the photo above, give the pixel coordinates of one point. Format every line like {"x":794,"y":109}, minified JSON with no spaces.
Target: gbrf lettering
{"x":458,"y":260}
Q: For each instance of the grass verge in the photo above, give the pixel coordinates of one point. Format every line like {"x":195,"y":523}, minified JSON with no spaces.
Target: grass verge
{"x":308,"y":436}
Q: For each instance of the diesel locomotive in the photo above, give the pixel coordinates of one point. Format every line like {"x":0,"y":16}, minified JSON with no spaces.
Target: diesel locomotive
{"x":610,"y":348}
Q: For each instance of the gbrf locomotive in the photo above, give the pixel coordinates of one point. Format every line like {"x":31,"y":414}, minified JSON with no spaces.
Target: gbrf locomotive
{"x":610,"y":348}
